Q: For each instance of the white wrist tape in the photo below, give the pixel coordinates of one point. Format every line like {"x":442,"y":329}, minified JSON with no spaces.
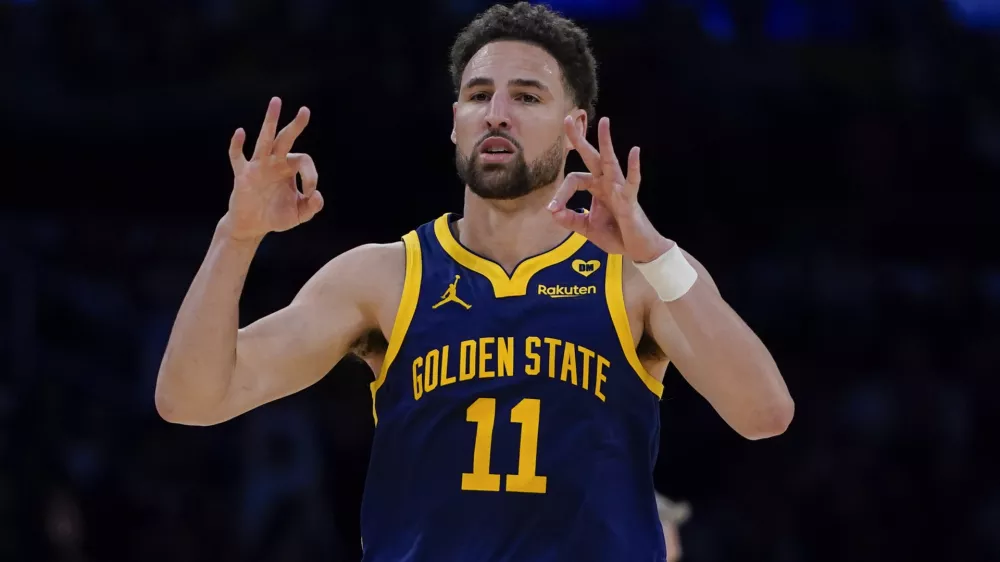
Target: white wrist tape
{"x":670,"y":275}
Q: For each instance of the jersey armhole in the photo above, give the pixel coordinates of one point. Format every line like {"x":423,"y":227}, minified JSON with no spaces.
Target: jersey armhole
{"x":614,"y":290}
{"x":404,"y":314}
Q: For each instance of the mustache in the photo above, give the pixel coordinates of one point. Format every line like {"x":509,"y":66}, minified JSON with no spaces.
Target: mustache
{"x":498,"y":133}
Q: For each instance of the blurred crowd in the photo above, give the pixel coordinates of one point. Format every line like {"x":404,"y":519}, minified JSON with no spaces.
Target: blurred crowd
{"x":842,"y":188}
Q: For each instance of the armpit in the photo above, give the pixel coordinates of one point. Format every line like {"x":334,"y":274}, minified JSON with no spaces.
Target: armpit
{"x":648,"y":350}
{"x":371,"y":344}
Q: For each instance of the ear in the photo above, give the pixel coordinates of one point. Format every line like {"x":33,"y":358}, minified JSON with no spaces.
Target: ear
{"x":580,"y":123}
{"x":454,"y":112}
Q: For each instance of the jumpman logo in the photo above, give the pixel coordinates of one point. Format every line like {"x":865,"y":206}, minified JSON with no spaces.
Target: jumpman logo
{"x":450,"y":295}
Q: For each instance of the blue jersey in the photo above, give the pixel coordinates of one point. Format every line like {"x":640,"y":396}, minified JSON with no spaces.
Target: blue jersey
{"x":514,"y":421}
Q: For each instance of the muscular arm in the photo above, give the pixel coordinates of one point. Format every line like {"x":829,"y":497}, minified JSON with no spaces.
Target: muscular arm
{"x":213,"y":371}
{"x":720,"y":356}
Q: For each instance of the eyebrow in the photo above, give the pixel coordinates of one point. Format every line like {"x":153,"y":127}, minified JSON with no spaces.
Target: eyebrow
{"x":516,"y":82}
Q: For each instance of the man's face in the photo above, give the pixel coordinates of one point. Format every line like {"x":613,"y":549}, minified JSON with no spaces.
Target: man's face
{"x":508,"y":121}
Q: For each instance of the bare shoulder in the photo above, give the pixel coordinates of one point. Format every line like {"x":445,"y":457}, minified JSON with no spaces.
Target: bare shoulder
{"x":371,"y":274}
{"x":363,"y":264}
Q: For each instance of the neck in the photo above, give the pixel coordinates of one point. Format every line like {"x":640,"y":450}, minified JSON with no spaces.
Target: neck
{"x":509,"y":232}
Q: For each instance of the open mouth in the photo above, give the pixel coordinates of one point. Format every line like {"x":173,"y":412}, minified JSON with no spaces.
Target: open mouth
{"x":497,"y":149}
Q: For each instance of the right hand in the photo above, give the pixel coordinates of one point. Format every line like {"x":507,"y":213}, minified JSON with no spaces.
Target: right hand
{"x":265,"y":196}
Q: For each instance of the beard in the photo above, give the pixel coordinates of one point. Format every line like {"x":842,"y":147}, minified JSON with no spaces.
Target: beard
{"x":513,"y":179}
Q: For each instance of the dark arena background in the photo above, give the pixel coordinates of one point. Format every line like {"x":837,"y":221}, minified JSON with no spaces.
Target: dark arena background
{"x":834,"y":163}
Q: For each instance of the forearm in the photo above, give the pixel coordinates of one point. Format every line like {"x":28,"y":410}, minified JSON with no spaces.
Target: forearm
{"x":726,"y":362}
{"x":200,"y":357}
{"x":718,"y":354}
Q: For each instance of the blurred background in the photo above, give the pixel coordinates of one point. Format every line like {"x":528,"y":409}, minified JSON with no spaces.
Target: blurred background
{"x":834,"y":163}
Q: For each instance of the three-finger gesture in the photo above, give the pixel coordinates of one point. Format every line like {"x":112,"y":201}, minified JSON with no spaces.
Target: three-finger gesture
{"x":616,"y":223}
{"x":265,"y":196}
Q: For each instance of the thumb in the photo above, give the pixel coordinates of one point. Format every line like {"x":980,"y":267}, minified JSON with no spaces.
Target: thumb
{"x":309,"y":205}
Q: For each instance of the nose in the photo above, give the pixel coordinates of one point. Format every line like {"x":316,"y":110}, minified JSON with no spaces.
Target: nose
{"x":497,"y":117}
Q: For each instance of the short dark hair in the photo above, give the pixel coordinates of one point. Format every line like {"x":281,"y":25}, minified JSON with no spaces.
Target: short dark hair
{"x":567,"y":42}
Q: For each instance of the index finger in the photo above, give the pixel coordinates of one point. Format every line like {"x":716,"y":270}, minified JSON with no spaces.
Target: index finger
{"x":590,"y":156}
{"x":576,"y":181}
{"x":306,"y":168}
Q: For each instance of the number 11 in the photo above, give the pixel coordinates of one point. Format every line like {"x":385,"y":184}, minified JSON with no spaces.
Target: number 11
{"x":482,"y":412}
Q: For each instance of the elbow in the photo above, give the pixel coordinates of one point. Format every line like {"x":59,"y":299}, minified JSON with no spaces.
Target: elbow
{"x":172,"y":411}
{"x":770,"y":421}
{"x":167,"y":406}
{"x":168,"y":409}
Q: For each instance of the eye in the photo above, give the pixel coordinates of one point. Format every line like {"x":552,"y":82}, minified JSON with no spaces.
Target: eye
{"x":528,"y":98}
{"x":479,"y":96}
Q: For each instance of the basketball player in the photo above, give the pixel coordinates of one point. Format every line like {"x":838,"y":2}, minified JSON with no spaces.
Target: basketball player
{"x":519,"y":348}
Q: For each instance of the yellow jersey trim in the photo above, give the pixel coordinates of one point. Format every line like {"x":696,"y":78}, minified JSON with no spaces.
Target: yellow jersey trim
{"x":619,"y":317}
{"x":504,"y":285}
{"x":404,"y":314}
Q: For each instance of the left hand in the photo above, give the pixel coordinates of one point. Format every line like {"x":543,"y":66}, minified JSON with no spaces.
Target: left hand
{"x":616,"y":223}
